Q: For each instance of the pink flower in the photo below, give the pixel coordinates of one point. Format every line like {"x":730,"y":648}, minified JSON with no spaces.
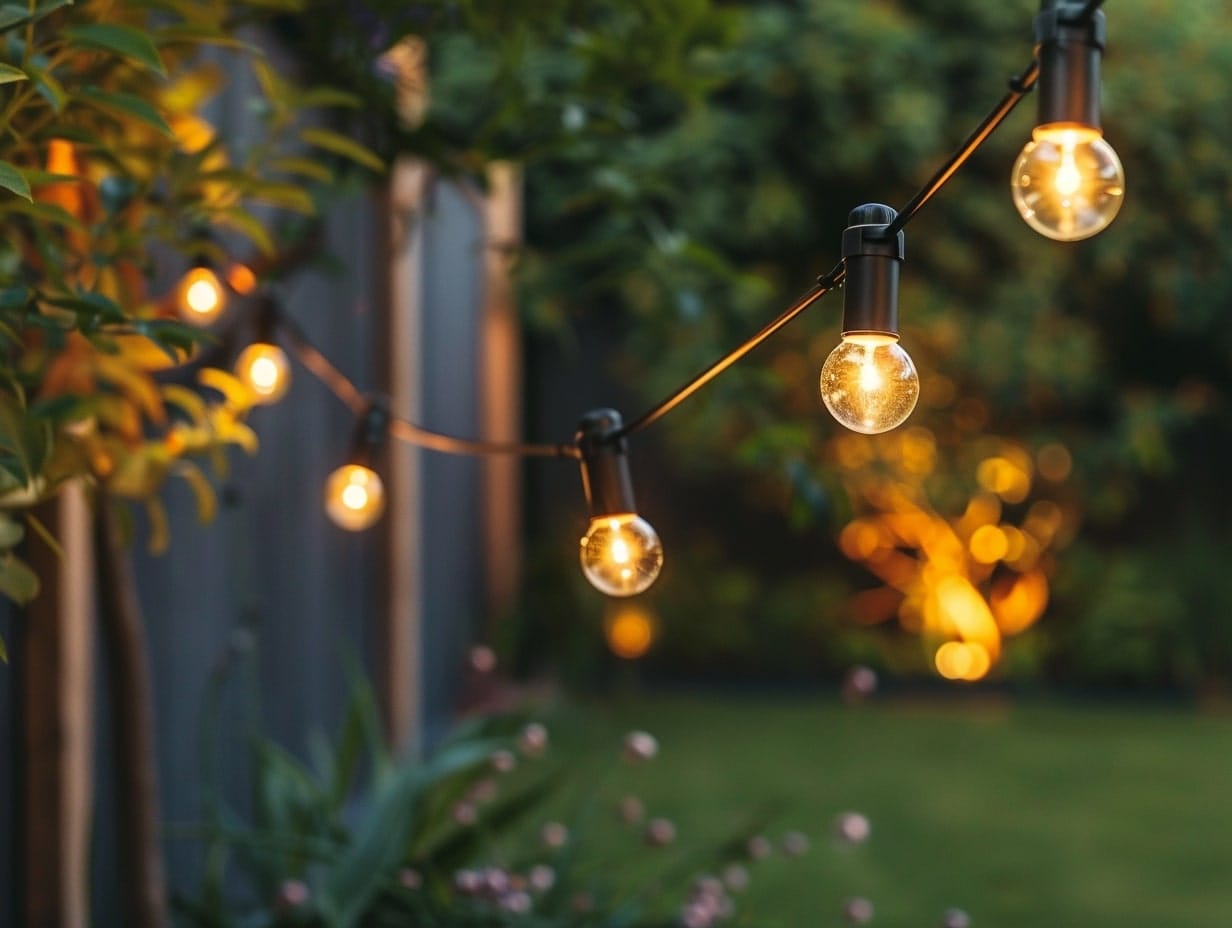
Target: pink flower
{"x":858,"y":911}
{"x":640,"y":746}
{"x":660,"y":832}
{"x":852,"y":828}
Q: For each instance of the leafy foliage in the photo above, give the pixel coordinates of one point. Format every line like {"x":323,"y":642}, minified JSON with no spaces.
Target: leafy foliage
{"x":112,"y":177}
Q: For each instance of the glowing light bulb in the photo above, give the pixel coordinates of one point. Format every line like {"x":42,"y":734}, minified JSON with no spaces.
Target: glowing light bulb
{"x":621,"y":554}
{"x":264,"y":369}
{"x":200,"y":297}
{"x":1068,"y":183}
{"x":354,"y":497}
{"x":869,"y":383}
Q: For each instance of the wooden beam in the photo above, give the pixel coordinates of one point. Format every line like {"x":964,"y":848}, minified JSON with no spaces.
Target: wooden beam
{"x":58,"y":720}
{"x":500,"y":368}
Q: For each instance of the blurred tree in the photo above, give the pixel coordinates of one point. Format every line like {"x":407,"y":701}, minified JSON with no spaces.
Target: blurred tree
{"x":690,"y":168}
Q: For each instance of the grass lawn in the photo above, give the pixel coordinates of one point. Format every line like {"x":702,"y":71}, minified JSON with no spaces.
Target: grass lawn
{"x":1024,"y":816}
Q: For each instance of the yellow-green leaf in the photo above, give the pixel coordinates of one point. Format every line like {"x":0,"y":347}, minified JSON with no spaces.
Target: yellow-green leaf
{"x":249,"y":225}
{"x":287,"y":196}
{"x":160,"y":527}
{"x":303,"y":167}
{"x":10,"y":74}
{"x":126,"y":41}
{"x":12,"y":179}
{"x":186,"y":400}
{"x":341,"y":145}
{"x":238,"y":396}
{"x":203,"y":490}
{"x":11,"y":531}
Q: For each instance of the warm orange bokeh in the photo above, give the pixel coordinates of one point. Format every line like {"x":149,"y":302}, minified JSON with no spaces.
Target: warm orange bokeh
{"x":966,"y":582}
{"x":630,"y":631}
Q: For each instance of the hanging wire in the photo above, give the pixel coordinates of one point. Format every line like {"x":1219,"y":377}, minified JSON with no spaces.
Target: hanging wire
{"x":824,"y":285}
{"x":404,"y":430}
{"x":1019,"y":87}
{"x":341,"y":386}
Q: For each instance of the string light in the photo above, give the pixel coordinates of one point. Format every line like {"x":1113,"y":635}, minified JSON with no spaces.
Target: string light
{"x":1068,"y":184}
{"x":869,"y":383}
{"x":354,"y":497}
{"x":621,"y":554}
{"x":200,"y":296}
{"x":263,"y":367}
{"x":354,"y":493}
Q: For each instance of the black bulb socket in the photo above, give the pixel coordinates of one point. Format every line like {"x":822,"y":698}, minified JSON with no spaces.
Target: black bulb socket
{"x":871,"y":262}
{"x":1070,"y":49}
{"x":370,"y":433}
{"x":606,"y":480}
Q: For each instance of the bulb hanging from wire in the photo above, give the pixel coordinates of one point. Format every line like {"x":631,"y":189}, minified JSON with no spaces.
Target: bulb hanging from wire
{"x":354,"y":493}
{"x":264,"y":369}
{"x":201,"y":296}
{"x":621,"y":554}
{"x":1068,"y":183}
{"x":869,"y":383}
{"x":354,"y":497}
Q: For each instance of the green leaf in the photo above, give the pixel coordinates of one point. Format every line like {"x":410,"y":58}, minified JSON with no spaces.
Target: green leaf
{"x":341,"y":145}
{"x":13,"y":15}
{"x":329,"y":96}
{"x":126,"y":41}
{"x":4,"y":654}
{"x":10,"y":74}
{"x":128,"y":104}
{"x":17,"y":581}
{"x":183,"y":33}
{"x":11,"y":531}
{"x":89,"y":304}
{"x":48,"y":86}
{"x":12,"y":179}
{"x":381,"y":836}
{"x":45,"y":212}
{"x":303,"y":167}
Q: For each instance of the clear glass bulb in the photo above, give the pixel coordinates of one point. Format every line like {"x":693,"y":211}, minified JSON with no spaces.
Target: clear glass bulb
{"x":621,"y":554}
{"x":200,"y":297}
{"x":264,"y":369}
{"x":1068,"y":183}
{"x":354,"y":497}
{"x":869,"y":383}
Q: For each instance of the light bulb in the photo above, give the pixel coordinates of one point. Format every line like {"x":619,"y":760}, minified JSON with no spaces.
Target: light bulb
{"x":263,"y":368}
{"x":869,"y":383}
{"x":200,"y":297}
{"x":1068,"y":183}
{"x":354,"y":497}
{"x":621,"y":554}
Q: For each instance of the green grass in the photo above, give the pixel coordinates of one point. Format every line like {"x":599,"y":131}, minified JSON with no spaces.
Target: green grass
{"x":1024,"y":816}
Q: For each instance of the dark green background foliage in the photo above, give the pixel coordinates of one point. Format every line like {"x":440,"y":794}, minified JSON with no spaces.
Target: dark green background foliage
{"x":690,"y":169}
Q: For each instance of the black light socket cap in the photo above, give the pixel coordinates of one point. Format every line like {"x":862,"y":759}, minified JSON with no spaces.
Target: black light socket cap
{"x":871,"y":266}
{"x":370,"y":433}
{"x":606,"y":480}
{"x":1070,"y":50}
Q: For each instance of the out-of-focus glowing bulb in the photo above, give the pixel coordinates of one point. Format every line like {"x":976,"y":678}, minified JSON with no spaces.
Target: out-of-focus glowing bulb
{"x":200,"y":297}
{"x":265,"y":370}
{"x":869,"y":383}
{"x":1068,"y":183}
{"x":621,"y":554}
{"x":354,"y":497}
{"x":630,"y":631}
